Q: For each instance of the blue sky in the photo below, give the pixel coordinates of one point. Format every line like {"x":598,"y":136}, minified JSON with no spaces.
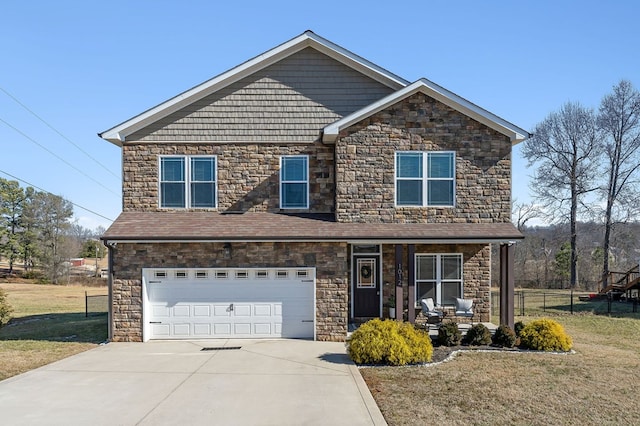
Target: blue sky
{"x":85,"y":66}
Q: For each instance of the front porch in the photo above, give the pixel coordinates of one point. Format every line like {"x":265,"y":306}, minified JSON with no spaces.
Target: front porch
{"x":395,"y":277}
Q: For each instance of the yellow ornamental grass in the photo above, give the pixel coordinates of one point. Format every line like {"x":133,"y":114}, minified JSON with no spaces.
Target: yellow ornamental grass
{"x":545,"y":335}
{"x":389,"y":342}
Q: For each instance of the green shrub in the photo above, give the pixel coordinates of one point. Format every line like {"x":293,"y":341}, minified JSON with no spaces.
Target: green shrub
{"x":517,"y":327}
{"x":5,"y":309}
{"x":449,"y":334}
{"x":505,"y":337}
{"x":477,"y":335}
{"x":389,"y":342}
{"x":545,"y":335}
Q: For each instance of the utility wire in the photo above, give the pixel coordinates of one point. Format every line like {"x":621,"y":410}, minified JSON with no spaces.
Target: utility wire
{"x":44,"y":190}
{"x":58,"y":132}
{"x":57,"y":156}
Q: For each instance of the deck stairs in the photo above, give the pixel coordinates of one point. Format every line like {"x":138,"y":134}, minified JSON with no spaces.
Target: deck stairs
{"x":622,"y":282}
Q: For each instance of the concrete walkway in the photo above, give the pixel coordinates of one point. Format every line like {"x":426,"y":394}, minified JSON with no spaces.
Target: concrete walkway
{"x":265,"y":382}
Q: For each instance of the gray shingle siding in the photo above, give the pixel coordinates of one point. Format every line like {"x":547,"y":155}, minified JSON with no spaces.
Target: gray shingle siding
{"x":290,"y":101}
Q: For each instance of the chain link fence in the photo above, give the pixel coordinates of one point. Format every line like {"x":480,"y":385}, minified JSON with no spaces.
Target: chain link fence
{"x":558,"y":302}
{"x":97,"y":304}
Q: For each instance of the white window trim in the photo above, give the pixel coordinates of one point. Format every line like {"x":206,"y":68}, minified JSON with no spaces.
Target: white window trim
{"x":424,"y":179}
{"x":306,"y":182}
{"x":439,"y":280}
{"x":187,"y":181}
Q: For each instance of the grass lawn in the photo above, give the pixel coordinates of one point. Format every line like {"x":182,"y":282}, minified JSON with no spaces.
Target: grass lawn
{"x":596,"y":385}
{"x":48,"y":324}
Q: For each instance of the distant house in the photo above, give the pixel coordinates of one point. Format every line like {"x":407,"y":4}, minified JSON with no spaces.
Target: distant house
{"x":300,"y":191}
{"x":77,"y":261}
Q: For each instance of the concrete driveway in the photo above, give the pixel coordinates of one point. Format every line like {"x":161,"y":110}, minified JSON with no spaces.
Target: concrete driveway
{"x":264,"y":382}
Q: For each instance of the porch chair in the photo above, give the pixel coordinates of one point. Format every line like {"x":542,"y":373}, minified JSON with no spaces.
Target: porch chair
{"x":464,"y":308}
{"x":433,"y":315}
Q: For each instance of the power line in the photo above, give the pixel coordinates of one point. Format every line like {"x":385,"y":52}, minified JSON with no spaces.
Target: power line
{"x":58,"y":132}
{"x":56,"y":155}
{"x":44,"y":190}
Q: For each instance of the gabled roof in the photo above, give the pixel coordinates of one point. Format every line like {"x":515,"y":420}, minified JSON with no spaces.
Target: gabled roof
{"x":118,"y":134}
{"x":429,"y":88}
{"x":190,"y":226}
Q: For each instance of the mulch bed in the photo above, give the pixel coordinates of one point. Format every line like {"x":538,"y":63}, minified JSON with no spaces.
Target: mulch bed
{"x":441,"y":353}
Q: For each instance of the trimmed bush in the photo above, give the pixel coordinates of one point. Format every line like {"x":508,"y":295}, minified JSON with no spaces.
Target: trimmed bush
{"x":449,"y":334}
{"x":505,"y":337}
{"x":545,"y":335}
{"x":517,"y":327}
{"x":389,"y":342}
{"x":477,"y":335}
{"x":5,"y":309}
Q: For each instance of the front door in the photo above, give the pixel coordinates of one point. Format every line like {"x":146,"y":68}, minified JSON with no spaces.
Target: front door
{"x":366,"y":286}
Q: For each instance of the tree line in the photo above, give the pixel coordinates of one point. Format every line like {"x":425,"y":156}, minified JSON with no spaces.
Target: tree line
{"x":588,"y":170}
{"x":37,"y":231}
{"x":543,"y":258}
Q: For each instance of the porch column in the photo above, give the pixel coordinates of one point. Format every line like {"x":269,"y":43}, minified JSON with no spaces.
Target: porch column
{"x":506,"y":284}
{"x":412,"y":283}
{"x":399,"y":273}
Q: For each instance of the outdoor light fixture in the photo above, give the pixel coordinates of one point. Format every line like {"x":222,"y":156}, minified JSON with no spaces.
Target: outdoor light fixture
{"x":227,"y":250}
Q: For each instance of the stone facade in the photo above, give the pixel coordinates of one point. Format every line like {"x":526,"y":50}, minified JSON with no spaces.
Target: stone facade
{"x":248,"y":174}
{"x":329,"y":259}
{"x":365,"y":165}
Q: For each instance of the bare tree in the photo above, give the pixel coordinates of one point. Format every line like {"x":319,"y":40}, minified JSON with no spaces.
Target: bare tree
{"x":523,"y":213}
{"x":619,"y":119}
{"x":565,"y":146}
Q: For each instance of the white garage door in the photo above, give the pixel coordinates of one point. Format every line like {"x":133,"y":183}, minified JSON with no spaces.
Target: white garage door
{"x":228,"y":303}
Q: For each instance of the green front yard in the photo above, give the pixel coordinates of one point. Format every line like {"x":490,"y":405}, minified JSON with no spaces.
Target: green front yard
{"x":48,"y":324}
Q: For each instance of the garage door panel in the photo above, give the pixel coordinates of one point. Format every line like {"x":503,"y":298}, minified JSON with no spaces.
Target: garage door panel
{"x":182,"y":329}
{"x":221,"y":310}
{"x":229,"y":307}
{"x":240,"y":329}
{"x":202,"y":330}
{"x":182,"y":311}
{"x":160,"y":311}
{"x":262,"y":309}
{"x":241,"y":310}
{"x":262,"y":328}
{"x":222,"y":329}
{"x":161,"y":330}
{"x":201,"y":310}
{"x":277,"y":309}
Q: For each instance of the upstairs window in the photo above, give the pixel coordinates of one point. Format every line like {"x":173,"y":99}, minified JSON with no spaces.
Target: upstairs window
{"x":425,"y":178}
{"x":294,"y":182}
{"x":188,"y":182}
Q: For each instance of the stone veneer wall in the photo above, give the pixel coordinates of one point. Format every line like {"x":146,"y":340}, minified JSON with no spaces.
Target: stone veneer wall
{"x":248,"y":174}
{"x":365,"y":164}
{"x":329,"y":259}
{"x":476,"y":272}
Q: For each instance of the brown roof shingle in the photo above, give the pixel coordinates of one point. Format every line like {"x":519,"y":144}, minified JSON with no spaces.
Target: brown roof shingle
{"x":262,"y":226}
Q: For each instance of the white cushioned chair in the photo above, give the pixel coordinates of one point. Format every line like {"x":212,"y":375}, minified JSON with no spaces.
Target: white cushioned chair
{"x":430,"y":311}
{"x":464,"y":308}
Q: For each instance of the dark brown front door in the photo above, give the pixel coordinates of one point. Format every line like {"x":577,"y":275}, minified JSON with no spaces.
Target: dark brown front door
{"x":366,"y":286}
